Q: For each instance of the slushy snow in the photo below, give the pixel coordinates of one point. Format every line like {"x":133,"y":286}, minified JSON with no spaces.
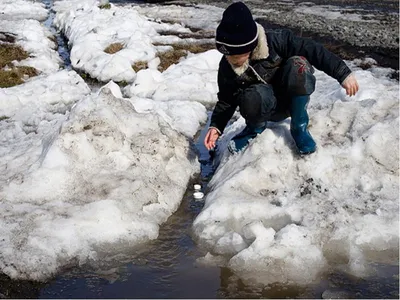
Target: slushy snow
{"x":112,"y":175}
{"x":284,"y":218}
{"x":84,"y":171}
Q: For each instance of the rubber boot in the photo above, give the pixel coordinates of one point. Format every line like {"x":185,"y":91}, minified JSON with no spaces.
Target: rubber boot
{"x":241,"y":140}
{"x":299,"y":123}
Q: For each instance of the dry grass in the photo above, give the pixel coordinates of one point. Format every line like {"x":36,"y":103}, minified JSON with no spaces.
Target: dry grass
{"x":139,"y":65}
{"x":200,"y":34}
{"x":114,"y":48}
{"x":105,"y":6}
{"x":194,"y":48}
{"x":9,"y":53}
{"x":171,"y":57}
{"x":14,"y":76}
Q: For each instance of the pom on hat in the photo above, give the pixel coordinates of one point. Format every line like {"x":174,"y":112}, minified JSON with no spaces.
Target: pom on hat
{"x":237,"y":32}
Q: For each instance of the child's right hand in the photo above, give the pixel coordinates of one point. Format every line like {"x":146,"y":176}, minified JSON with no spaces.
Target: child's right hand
{"x":211,"y":138}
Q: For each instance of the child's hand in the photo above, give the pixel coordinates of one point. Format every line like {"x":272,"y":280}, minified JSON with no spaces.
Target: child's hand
{"x":351,"y":85}
{"x":211,"y":138}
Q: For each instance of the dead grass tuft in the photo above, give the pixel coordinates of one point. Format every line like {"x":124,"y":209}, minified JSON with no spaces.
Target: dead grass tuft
{"x":200,"y":34}
{"x":194,"y":48}
{"x":169,"y":58}
{"x":180,"y":50}
{"x":12,"y":75}
{"x":139,"y":65}
{"x":105,"y":6}
{"x":114,"y":48}
{"x":15,"y":76}
{"x":9,"y":53}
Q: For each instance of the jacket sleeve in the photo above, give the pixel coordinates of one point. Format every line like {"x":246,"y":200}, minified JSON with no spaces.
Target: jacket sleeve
{"x":227,"y":100}
{"x":314,"y":52}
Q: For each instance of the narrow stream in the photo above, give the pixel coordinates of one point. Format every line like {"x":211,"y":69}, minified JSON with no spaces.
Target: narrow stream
{"x":168,"y":268}
{"x":62,"y":44}
{"x":163,"y":268}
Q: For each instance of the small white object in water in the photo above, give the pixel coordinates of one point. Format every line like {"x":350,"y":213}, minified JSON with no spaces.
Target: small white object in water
{"x":198,"y":195}
{"x":197,"y":187}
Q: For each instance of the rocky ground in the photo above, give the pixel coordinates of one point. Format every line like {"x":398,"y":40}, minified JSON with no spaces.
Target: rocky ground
{"x":359,"y":24}
{"x":351,"y":28}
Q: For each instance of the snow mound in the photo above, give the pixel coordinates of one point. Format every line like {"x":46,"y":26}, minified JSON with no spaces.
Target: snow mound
{"x":193,"y":79}
{"x":111,"y":176}
{"x":36,"y":41}
{"x":31,"y":115}
{"x":282,"y":218}
{"x":90,"y":30}
{"x":21,"y":9}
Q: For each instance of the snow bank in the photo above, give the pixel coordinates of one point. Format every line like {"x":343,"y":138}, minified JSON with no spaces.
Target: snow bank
{"x":21,"y":9}
{"x":111,"y":176}
{"x":34,"y":39}
{"x":31,"y":116}
{"x":90,"y":30}
{"x":193,"y":79}
{"x":278,"y":217}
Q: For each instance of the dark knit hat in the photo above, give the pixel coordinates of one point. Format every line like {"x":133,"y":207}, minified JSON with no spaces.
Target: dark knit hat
{"x":237,"y":33}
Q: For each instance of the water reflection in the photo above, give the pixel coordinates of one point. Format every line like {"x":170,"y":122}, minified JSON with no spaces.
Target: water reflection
{"x":336,"y":285}
{"x":163,"y":268}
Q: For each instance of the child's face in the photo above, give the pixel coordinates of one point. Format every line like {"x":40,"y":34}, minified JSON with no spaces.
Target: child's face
{"x":238,"y":60}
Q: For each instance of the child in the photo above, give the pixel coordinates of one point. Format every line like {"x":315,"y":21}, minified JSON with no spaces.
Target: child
{"x":269,"y":75}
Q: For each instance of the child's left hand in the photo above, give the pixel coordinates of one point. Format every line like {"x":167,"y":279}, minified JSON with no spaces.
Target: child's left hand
{"x":350,"y":84}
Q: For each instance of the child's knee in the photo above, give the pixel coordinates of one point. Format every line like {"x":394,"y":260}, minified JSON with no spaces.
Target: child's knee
{"x":298,"y":76}
{"x":257,"y":103}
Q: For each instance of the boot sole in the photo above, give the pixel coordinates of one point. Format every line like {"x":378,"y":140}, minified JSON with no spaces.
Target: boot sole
{"x":302,"y":153}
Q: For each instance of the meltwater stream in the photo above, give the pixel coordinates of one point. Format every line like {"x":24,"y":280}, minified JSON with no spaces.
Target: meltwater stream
{"x":62,"y":44}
